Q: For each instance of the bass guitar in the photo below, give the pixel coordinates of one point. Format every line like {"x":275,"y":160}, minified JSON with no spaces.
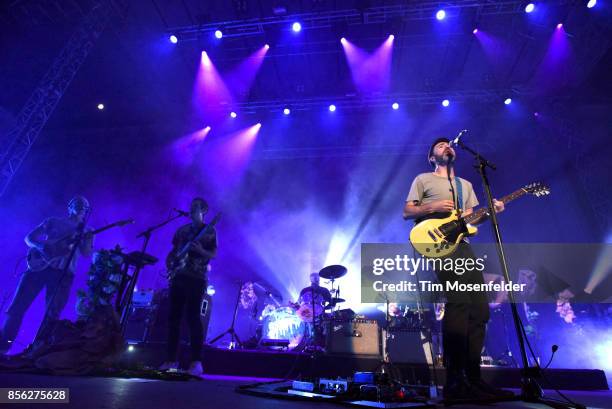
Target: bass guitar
{"x":440,"y":237}
{"x":56,"y":251}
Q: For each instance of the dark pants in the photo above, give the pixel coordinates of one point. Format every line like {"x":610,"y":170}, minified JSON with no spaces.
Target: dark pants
{"x":186,"y":293}
{"x":57,"y":290}
{"x":464,"y":324}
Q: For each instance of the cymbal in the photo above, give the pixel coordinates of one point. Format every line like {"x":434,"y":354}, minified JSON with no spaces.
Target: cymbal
{"x":138,"y":258}
{"x":332,"y":272}
{"x":334,"y":302}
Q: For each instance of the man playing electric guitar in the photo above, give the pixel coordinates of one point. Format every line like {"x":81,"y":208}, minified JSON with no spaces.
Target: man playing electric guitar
{"x":52,"y":242}
{"x":188,"y":282}
{"x":434,"y":195}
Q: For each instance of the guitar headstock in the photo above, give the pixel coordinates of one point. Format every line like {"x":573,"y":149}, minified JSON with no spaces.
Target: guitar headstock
{"x":537,"y":189}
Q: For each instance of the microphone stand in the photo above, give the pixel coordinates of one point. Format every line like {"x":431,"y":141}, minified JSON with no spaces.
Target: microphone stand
{"x":124,"y":298}
{"x":531,"y":391}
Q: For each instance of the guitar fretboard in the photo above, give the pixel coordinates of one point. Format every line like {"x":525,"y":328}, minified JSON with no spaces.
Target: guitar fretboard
{"x":483,"y":210}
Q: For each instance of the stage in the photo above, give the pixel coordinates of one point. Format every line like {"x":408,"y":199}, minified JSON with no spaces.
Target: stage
{"x":211,"y":392}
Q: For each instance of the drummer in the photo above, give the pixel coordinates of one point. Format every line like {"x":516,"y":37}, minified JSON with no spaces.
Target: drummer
{"x":322,"y":296}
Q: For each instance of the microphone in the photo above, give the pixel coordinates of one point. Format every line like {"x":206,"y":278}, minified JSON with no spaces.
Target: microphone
{"x":181,"y":212}
{"x":457,"y":140}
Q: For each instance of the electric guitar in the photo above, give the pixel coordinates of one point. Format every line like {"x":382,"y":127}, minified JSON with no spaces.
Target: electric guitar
{"x":56,"y":251}
{"x":177,"y":259}
{"x":440,"y":237}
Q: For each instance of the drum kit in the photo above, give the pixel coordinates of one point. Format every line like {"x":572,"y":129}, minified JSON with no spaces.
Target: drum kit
{"x":302,"y":323}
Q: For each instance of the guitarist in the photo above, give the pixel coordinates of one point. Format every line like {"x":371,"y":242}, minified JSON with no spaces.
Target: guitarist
{"x":436,"y":194}
{"x":57,"y":276}
{"x":188,"y":283}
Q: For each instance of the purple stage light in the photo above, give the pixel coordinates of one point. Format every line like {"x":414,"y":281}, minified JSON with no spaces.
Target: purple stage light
{"x":286,"y":111}
{"x":475,"y":31}
{"x":529,"y":8}
{"x":233,"y":114}
{"x":508,"y":101}
{"x":332,"y":108}
{"x":591,"y":3}
{"x":173,"y":39}
{"x":395,"y":106}
{"x":371,"y":72}
{"x":240,"y":79}
{"x":218,"y":34}
{"x":296,"y":27}
{"x":441,"y":14}
{"x":559,"y":26}
{"x":391,"y":37}
{"x":210,"y":91}
{"x":100,"y":107}
{"x":266,"y":47}
{"x":343,"y":41}
{"x":445,"y":103}
{"x":536,"y":114}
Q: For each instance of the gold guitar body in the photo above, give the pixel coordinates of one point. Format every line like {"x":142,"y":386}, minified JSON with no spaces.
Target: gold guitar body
{"x":440,"y":237}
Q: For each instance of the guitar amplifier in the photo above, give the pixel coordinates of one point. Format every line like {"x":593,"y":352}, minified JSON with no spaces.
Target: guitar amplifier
{"x":354,"y":337}
{"x":407,"y":346}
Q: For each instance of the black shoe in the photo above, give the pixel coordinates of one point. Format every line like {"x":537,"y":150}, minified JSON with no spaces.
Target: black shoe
{"x":491,"y":390}
{"x":462,"y":391}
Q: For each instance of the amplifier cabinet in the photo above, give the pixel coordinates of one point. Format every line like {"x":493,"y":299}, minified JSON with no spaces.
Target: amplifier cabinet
{"x":354,"y":337}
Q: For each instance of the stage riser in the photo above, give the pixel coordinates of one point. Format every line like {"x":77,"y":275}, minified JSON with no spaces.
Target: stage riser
{"x":289,"y":365}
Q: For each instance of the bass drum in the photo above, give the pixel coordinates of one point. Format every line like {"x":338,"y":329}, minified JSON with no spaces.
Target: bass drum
{"x":284,"y":323}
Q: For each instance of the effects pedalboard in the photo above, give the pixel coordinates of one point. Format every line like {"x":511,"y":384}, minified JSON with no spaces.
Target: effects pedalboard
{"x":363,"y":389}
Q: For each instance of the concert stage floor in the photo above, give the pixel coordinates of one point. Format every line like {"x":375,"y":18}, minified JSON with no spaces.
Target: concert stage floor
{"x":211,"y":392}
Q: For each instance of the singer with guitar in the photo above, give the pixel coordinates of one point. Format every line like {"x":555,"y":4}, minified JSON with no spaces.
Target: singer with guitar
{"x":193,"y":246}
{"x":435,"y":195}
{"x":53,"y":270}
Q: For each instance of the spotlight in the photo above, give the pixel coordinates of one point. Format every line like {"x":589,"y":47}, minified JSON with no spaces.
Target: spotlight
{"x":475,"y":31}
{"x":343,"y":40}
{"x":332,"y":108}
{"x":100,"y":107}
{"x":173,"y":39}
{"x":233,"y":114}
{"x":210,"y":290}
{"x":536,"y":114}
{"x":286,"y":111}
{"x":296,"y":27}
{"x":508,"y":101}
{"x":218,"y":34}
{"x":441,"y":14}
{"x":395,"y":106}
{"x":207,"y":128}
{"x":130,"y":348}
{"x":529,"y":8}
{"x":445,"y":103}
{"x":267,"y":46}
{"x":559,"y":26}
{"x":391,"y":37}
{"x":591,"y":3}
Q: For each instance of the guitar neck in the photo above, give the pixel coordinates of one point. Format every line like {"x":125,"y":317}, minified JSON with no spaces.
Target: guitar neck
{"x":483,"y":210}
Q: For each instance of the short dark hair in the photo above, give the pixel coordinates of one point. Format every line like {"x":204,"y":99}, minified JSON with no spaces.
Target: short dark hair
{"x":203,"y":203}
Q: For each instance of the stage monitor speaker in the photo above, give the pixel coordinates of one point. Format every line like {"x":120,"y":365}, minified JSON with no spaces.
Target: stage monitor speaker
{"x":354,"y":337}
{"x":407,"y":346}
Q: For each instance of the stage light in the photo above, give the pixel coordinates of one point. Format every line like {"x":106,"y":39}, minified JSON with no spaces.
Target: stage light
{"x":267,"y":46}
{"x":591,"y":3}
{"x":130,"y":348}
{"x":445,"y":103}
{"x":559,"y":26}
{"x":536,"y":114}
{"x":343,"y":40}
{"x":395,"y":106}
{"x":296,"y":27}
{"x":207,"y":128}
{"x":529,"y":8}
{"x":218,"y":34}
{"x":286,"y":111}
{"x":391,"y":37}
{"x":441,"y":14}
{"x":332,"y":108}
{"x":173,"y":39}
{"x":100,"y":107}
{"x":210,"y":290}
{"x":233,"y":114}
{"x":475,"y":31}
{"x":508,"y":101}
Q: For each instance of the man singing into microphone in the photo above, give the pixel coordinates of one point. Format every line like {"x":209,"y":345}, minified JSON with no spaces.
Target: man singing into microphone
{"x":434,"y":195}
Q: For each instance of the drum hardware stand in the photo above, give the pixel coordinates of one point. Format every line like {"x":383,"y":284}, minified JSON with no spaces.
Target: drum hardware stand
{"x":123,"y":303}
{"x":235,"y":340}
{"x":531,"y":391}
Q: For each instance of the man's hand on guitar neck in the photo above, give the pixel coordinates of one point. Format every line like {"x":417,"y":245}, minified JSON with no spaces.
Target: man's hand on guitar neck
{"x":197,"y":247}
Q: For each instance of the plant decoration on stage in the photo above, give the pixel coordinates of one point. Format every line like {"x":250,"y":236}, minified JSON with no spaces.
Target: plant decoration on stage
{"x":103,"y":282}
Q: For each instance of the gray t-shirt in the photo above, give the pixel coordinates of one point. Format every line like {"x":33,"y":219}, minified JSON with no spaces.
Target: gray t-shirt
{"x":429,"y":187}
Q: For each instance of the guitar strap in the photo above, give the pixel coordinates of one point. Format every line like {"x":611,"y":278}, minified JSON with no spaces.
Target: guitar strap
{"x":459,"y":193}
